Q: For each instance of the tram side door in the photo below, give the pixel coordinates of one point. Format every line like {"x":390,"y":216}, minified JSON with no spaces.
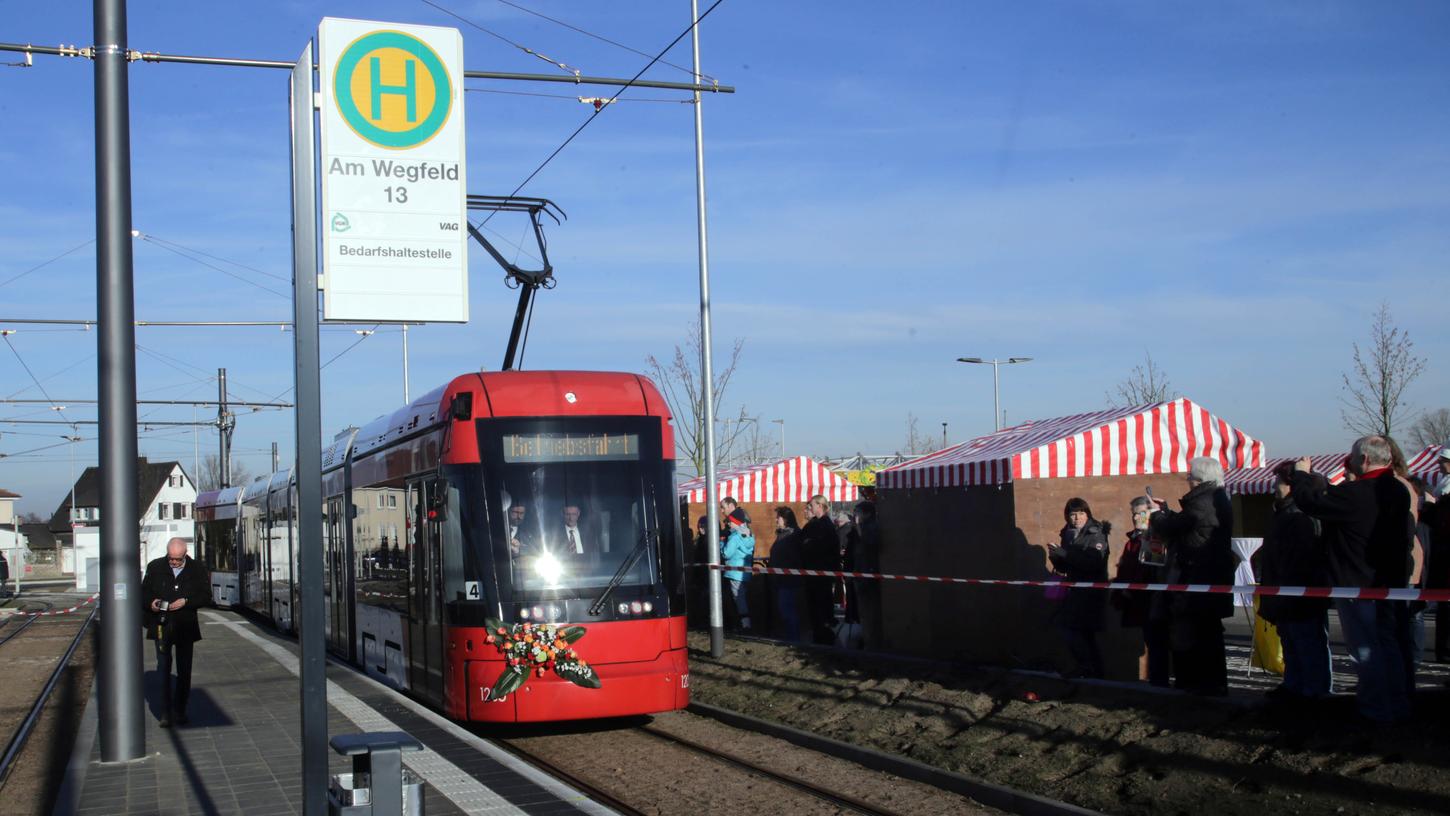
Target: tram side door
{"x":425,"y":652}
{"x":339,"y":600}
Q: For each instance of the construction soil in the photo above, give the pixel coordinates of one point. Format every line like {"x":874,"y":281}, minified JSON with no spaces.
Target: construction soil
{"x":1109,"y":747}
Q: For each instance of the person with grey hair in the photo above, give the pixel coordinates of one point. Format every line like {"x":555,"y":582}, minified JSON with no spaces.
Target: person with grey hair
{"x":1141,"y":563}
{"x":174,"y":587}
{"x":1199,"y":551}
{"x":1368,"y":534}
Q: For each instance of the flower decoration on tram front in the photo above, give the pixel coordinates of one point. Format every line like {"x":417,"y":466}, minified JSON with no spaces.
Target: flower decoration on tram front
{"x":538,"y":648}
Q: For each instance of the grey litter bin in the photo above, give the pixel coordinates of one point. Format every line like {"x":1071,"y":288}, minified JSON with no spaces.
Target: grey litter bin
{"x":378,"y":784}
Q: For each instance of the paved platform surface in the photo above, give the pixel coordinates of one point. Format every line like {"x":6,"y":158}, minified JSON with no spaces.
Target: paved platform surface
{"x":241,"y":755}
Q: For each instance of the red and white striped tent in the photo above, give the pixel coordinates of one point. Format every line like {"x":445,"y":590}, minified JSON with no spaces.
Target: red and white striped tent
{"x":789,"y":480}
{"x":1145,"y":439}
{"x":1260,"y":480}
{"x":1426,"y":465}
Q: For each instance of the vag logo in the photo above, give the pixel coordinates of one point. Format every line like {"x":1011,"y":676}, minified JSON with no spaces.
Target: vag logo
{"x":392,"y":89}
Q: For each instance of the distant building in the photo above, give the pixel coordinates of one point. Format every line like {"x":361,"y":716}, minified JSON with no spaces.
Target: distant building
{"x":165,"y":503}
{"x":12,"y":541}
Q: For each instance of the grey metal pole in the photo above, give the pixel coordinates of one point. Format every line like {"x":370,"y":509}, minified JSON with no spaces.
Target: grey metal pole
{"x":996,"y":398}
{"x":224,"y":432}
{"x":707,"y":378}
{"x":276,"y":458}
{"x":308,"y":471}
{"x":123,"y":736}
{"x":406,"y":399}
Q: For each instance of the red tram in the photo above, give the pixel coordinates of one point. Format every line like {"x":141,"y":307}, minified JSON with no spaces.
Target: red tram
{"x":519,"y":495}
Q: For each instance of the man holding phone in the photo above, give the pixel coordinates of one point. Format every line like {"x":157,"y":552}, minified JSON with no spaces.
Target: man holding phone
{"x":173,"y":589}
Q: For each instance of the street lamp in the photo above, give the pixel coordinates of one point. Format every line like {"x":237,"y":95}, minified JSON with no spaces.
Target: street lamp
{"x":996,"y":383}
{"x":781,"y":423}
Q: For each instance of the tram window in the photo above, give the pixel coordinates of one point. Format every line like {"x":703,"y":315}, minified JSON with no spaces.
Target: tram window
{"x":571,"y":524}
{"x":380,"y":556}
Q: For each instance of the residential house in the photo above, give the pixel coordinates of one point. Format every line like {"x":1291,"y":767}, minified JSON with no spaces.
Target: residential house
{"x":165,"y":502}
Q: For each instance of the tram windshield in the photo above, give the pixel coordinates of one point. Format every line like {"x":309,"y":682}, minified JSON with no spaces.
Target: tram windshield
{"x":577,"y":504}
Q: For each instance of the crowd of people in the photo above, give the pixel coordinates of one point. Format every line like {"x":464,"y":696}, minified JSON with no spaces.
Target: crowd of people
{"x":806,"y":605}
{"x":1378,"y":528}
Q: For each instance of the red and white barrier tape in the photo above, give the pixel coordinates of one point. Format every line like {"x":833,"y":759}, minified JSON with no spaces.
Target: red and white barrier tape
{"x":1363,"y":593}
{"x":82,"y":604}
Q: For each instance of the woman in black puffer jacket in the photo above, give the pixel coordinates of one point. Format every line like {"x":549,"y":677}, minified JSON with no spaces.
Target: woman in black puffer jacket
{"x":1082,"y":555}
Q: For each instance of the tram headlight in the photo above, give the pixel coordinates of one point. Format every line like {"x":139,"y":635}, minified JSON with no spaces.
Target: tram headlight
{"x":649,"y":607}
{"x":624,"y":609}
{"x":636,"y":607}
{"x":548,"y":568}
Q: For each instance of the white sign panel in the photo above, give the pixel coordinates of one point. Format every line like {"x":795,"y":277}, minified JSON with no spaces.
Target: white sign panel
{"x":395,"y":242}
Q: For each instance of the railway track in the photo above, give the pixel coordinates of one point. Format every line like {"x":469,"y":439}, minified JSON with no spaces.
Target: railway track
{"x":22,"y":730}
{"x":704,"y":770}
{"x":29,"y":616}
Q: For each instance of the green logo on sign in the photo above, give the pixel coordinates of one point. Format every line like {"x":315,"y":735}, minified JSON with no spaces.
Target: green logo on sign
{"x":340,"y":223}
{"x":392,"y":89}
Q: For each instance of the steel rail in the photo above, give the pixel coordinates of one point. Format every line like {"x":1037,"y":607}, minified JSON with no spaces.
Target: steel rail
{"x":829,"y":796}
{"x":86,"y":52}
{"x":29,"y":619}
{"x":594,"y":792}
{"x":17,"y":740}
{"x":990,"y":794}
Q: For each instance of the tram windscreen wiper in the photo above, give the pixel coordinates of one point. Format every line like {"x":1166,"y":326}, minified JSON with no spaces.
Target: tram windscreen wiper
{"x":639,"y":549}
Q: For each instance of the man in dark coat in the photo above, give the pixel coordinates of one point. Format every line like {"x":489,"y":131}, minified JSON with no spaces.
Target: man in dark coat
{"x":1200,"y":551}
{"x":821,"y":550}
{"x":172,"y":591}
{"x":1368,"y":535}
{"x":1293,"y":555}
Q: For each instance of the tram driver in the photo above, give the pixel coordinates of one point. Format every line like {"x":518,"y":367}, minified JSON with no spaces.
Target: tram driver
{"x":520,"y":539}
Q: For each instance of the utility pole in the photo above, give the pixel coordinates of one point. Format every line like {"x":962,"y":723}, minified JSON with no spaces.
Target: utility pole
{"x":119,"y":688}
{"x":275,"y":460}
{"x":712,"y":490}
{"x":225,"y":422}
{"x":943,"y":434}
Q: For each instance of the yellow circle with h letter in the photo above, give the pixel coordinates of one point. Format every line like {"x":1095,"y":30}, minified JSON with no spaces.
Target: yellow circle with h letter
{"x":392,"y":89}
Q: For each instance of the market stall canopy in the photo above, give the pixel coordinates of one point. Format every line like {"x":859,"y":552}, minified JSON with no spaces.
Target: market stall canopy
{"x":1158,"y":438}
{"x":789,"y":480}
{"x":1260,"y":480}
{"x":1426,"y":465}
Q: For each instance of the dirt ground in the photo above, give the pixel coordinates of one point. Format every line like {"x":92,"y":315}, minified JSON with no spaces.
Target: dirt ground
{"x":658,"y":777}
{"x":1112,"y":749}
{"x":25,"y":663}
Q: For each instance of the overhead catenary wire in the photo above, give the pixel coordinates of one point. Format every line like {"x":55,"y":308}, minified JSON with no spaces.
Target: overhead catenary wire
{"x":40,"y":266}
{"x":595,"y":115}
{"x":601,"y":38}
{"x":569,"y":69}
{"x":59,"y":409}
{"x":363,"y":336}
{"x":588,"y":100}
{"x":155,"y":239}
{"x":208,"y":265}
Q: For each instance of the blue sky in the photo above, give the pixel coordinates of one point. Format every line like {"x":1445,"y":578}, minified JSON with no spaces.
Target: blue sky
{"x":1233,"y":186}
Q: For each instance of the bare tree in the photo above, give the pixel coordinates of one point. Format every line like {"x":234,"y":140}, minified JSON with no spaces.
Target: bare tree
{"x":1432,"y":428}
{"x":682,"y":384}
{"x":1375,"y":385}
{"x":918,"y":443}
{"x":210,"y":477}
{"x":1146,"y":385}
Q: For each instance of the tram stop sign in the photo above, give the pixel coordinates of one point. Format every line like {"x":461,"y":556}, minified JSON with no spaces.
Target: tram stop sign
{"x":392,"y":163}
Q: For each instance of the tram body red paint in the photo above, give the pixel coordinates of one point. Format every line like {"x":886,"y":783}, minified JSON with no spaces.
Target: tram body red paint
{"x":642,"y":666}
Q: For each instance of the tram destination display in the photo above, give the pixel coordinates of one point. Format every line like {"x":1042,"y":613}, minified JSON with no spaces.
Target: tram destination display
{"x":394,"y":235}
{"x":570,"y":447}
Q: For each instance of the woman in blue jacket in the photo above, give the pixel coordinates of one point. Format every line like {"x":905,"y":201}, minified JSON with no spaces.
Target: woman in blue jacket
{"x":739,"y":551}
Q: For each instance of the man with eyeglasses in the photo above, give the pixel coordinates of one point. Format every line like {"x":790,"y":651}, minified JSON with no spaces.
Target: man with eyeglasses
{"x":173,"y":589}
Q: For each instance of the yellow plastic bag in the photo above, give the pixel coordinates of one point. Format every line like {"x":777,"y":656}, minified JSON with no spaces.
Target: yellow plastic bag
{"x":1268,"y":652}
